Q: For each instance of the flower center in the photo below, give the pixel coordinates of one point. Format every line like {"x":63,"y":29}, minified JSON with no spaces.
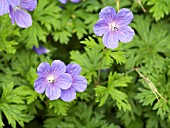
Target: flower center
{"x":15,"y":8}
{"x":51,"y":79}
{"x":113,"y":26}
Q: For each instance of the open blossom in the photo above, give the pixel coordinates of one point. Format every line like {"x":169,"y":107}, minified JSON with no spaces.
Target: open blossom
{"x":17,"y":10}
{"x":65,"y":1}
{"x":52,"y":79}
{"x":114,"y":27}
{"x":41,"y":50}
{"x":20,"y":16}
{"x":79,"y":83}
{"x":5,"y":4}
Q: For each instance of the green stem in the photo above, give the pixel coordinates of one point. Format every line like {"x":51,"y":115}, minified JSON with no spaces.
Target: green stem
{"x":150,"y":84}
{"x":117,"y":5}
{"x":99,"y":70}
{"x":103,"y":83}
{"x":139,"y":2}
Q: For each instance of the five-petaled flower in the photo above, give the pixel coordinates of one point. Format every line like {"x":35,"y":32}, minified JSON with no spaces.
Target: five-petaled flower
{"x":65,"y":1}
{"x":17,"y":10}
{"x":114,"y":27}
{"x":79,"y":83}
{"x":52,"y":79}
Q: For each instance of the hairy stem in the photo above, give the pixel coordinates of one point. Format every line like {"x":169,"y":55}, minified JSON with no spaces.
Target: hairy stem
{"x":150,"y":84}
{"x":139,"y":2}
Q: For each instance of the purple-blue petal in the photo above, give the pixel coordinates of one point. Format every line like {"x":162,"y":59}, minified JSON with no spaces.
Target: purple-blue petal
{"x":40,"y":84}
{"x":63,"y":1}
{"x":28,"y":4}
{"x":13,"y":3}
{"x":53,"y":92}
{"x":110,"y":39}
{"x":75,"y":1}
{"x":21,"y":17}
{"x":68,"y":94}
{"x":101,"y":27}
{"x":108,"y":13}
{"x":4,"y":7}
{"x":58,"y":67}
{"x":12,"y":15}
{"x":124,"y":17}
{"x":125,"y":34}
{"x":64,"y":81}
{"x":44,"y":69}
{"x":79,"y":83}
{"x":73,"y":69}
{"x":41,"y":50}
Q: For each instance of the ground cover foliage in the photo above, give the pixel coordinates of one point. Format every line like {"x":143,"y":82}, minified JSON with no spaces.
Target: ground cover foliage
{"x":127,"y":87}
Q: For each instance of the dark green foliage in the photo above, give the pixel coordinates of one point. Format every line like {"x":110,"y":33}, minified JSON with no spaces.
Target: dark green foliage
{"x":117,"y":95}
{"x":80,"y":116}
{"x":13,"y":105}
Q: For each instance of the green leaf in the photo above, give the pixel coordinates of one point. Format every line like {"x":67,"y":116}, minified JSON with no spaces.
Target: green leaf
{"x":146,"y":97}
{"x":101,"y":95}
{"x":149,"y":44}
{"x":159,"y":8}
{"x":118,"y":56}
{"x":80,"y":29}
{"x":12,"y":104}
{"x":89,"y":62}
{"x":60,"y":107}
{"x":80,"y":116}
{"x":28,"y":93}
{"x":45,"y":17}
{"x":63,"y":36}
{"x":8,"y":34}
{"x":96,"y":57}
{"x":91,"y":43}
{"x":114,"y":81}
{"x":1,"y":121}
{"x":32,"y":35}
{"x":19,"y":58}
{"x":49,"y":122}
{"x":15,"y":113}
{"x":118,"y":80}
{"x":163,"y":109}
{"x":31,"y":76}
{"x":154,"y":121}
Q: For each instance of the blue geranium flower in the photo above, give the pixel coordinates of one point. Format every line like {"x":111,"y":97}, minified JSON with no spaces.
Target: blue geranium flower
{"x":52,"y":79}
{"x":17,"y":10}
{"x":79,"y":83}
{"x":4,"y":9}
{"x":114,"y":27}
{"x":65,"y":1}
{"x":20,"y":16}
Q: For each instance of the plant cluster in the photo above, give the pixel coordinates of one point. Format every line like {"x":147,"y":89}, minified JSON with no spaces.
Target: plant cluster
{"x":125,"y":66}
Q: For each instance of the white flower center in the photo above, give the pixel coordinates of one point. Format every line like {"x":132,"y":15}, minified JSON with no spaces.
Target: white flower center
{"x":51,"y":79}
{"x":15,"y":8}
{"x":113,"y":27}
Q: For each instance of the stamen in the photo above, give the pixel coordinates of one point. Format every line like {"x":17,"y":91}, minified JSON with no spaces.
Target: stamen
{"x":113,"y":26}
{"x":51,"y":79}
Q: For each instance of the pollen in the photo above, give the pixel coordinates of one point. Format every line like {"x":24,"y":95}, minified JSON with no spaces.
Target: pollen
{"x":113,"y":27}
{"x":51,"y":79}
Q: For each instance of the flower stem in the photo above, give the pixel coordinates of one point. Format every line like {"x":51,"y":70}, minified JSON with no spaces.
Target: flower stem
{"x":99,"y":70}
{"x":150,"y":84}
{"x":117,"y":5}
{"x":139,"y":2}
